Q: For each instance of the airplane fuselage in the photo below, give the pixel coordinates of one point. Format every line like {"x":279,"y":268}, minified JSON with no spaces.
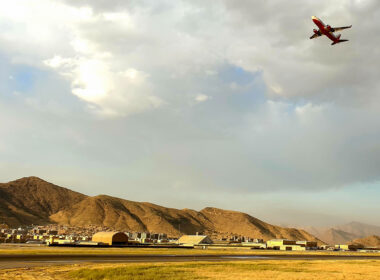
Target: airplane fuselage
{"x":324,"y":29}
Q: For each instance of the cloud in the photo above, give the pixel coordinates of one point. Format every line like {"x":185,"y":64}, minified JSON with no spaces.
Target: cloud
{"x":199,"y":98}
{"x":157,"y":40}
{"x":108,"y":91}
{"x":112,"y":87}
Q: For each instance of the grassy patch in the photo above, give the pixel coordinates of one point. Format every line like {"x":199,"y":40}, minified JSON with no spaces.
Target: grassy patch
{"x":187,"y":271}
{"x":242,"y":270}
{"x":137,"y":273}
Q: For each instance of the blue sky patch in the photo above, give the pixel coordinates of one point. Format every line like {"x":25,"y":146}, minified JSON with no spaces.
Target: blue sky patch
{"x":23,"y":78}
{"x":235,"y":74}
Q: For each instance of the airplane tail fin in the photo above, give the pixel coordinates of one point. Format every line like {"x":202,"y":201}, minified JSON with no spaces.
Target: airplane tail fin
{"x":339,"y":41}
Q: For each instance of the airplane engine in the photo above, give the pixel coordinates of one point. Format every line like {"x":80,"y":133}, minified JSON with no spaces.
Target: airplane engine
{"x":329,"y":28}
{"x":316,"y":32}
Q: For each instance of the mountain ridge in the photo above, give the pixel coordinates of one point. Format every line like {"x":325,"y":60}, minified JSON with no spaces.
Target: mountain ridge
{"x":31,"y":200}
{"x":49,"y":203}
{"x":361,"y":230}
{"x":369,"y":241}
{"x":343,"y":234}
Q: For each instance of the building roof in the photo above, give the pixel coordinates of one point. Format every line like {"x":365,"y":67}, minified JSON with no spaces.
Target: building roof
{"x":305,"y":242}
{"x":110,"y":237}
{"x":106,"y":233}
{"x":194,"y":239}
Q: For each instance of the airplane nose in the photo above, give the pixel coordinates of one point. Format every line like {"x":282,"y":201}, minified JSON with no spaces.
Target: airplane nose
{"x":313,"y":17}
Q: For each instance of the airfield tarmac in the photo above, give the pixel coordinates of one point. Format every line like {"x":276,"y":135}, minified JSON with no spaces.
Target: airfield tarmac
{"x":29,"y":260}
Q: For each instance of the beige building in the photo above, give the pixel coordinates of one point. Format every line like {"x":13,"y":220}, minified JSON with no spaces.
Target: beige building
{"x":327,"y":247}
{"x":347,"y":247}
{"x":110,"y":238}
{"x":284,"y":245}
{"x":255,"y":245}
{"x":57,"y":241}
{"x":191,"y":240}
{"x":307,"y":244}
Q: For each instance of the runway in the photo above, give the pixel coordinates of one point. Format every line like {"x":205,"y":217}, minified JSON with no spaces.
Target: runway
{"x":24,"y":261}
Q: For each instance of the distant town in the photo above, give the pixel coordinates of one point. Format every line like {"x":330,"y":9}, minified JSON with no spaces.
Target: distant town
{"x":95,"y":236}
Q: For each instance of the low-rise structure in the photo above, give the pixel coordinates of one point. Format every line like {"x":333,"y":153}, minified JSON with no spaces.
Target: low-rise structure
{"x":309,"y":245}
{"x":110,"y":238}
{"x":327,"y":247}
{"x":191,"y":240}
{"x":284,"y":245}
{"x":255,"y":245}
{"x":347,"y":247}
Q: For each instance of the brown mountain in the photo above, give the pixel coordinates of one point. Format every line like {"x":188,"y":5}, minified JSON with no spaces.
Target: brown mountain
{"x":360,"y":229}
{"x":244,"y":224}
{"x":335,"y":236}
{"x":142,"y":216}
{"x":32,"y":200}
{"x":316,"y":231}
{"x":342,"y":234}
{"x":129,"y":215}
{"x":370,"y":241}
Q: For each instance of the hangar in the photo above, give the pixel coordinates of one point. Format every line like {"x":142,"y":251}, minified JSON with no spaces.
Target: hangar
{"x":110,"y":238}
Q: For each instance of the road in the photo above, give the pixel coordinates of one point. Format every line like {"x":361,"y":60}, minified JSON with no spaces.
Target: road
{"x":16,"y":261}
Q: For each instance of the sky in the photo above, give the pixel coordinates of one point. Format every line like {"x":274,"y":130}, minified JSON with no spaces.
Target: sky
{"x":191,"y":103}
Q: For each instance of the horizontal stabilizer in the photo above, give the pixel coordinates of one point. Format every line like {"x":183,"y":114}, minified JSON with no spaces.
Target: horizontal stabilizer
{"x":340,"y":41}
{"x":315,"y":36}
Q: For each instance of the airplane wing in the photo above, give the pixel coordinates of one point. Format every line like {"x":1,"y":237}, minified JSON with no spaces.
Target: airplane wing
{"x":341,"y":28}
{"x":315,"y":36}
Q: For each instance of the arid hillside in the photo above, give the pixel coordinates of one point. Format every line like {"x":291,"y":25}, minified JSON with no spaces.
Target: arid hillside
{"x":361,"y":230}
{"x":370,"y":241}
{"x":242,"y":223}
{"x":142,"y":216}
{"x":335,"y":236}
{"x":32,"y":200}
{"x":126,"y":215}
{"x":343,"y":234}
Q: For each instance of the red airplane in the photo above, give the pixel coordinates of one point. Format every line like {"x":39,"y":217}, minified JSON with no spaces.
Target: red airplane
{"x":328,"y":31}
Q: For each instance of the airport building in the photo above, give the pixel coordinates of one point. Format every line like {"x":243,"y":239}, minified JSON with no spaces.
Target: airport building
{"x":110,"y":238}
{"x":347,"y":247}
{"x":284,"y":245}
{"x":255,"y":245}
{"x":308,"y":244}
{"x":191,"y":240}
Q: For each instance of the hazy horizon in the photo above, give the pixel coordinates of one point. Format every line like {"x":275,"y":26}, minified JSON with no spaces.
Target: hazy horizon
{"x":189,"y":104}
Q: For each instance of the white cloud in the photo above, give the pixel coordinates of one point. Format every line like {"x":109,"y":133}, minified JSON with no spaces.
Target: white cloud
{"x":308,"y":108}
{"x":187,"y":38}
{"x":92,"y":81}
{"x":201,"y":98}
{"x":297,"y":127}
{"x":276,"y":89}
{"x":113,"y":93}
{"x":82,"y":46}
{"x":58,"y":62}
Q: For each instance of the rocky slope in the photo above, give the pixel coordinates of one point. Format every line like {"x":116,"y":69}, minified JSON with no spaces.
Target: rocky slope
{"x":342,"y":234}
{"x":360,"y":229}
{"x":370,"y":241}
{"x":335,"y":236}
{"x":32,"y":200}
